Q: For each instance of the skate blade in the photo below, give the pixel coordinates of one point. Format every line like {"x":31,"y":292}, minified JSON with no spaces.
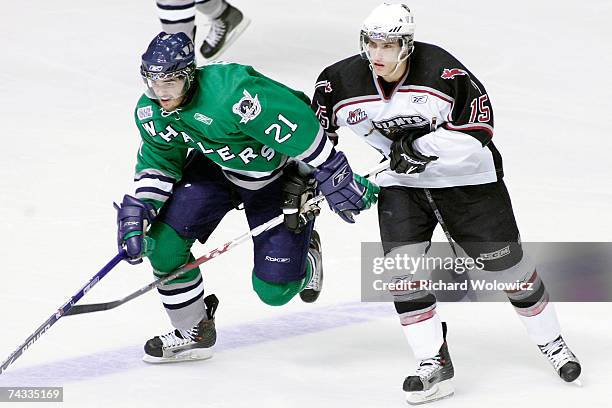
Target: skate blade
{"x":576,"y":383}
{"x":439,"y":391}
{"x":188,"y":355}
{"x":233,"y":36}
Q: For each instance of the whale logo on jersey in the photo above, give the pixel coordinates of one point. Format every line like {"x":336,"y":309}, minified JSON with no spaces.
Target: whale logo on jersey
{"x":356,"y":116}
{"x":452,"y":73}
{"x":388,"y":126}
{"x":248,"y":107}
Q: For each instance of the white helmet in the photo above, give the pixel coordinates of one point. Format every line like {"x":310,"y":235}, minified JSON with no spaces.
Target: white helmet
{"x":389,"y":22}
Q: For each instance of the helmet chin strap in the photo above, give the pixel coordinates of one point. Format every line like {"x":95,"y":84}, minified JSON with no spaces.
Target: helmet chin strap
{"x":397,"y":65}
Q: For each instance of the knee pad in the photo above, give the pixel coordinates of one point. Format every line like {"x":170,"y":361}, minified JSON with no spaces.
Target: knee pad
{"x":276,"y":294}
{"x":171,"y":252}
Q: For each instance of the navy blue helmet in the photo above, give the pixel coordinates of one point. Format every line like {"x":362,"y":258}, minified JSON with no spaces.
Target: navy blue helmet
{"x":169,"y":56}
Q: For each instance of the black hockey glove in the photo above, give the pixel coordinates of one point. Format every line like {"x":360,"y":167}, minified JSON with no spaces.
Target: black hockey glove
{"x":404,"y":157}
{"x":298,"y":188}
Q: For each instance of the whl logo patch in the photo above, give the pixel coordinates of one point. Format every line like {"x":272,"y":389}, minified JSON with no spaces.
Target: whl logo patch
{"x":356,"y":116}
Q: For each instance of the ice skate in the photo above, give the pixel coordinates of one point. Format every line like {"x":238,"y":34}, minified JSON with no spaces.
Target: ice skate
{"x":224,"y":30}
{"x":432,"y":379}
{"x":184,"y":345}
{"x":313,"y":289}
{"x":562,"y":359}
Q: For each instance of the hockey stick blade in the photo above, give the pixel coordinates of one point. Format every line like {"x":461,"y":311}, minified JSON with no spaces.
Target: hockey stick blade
{"x":62,"y":311}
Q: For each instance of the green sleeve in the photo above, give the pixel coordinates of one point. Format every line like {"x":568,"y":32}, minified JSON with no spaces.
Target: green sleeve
{"x":158,"y":166}
{"x":279,"y":117}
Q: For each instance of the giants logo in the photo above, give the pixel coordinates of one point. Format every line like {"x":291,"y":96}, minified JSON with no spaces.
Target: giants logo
{"x":452,"y":73}
{"x":398,"y":122}
{"x":356,"y":116}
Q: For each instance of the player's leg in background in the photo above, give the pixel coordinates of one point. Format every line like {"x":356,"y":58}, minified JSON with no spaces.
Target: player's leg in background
{"x":284,"y":262}
{"x":406,"y":224}
{"x":226,"y":24}
{"x":481,"y":220}
{"x":177,"y":16}
{"x":194,"y":210}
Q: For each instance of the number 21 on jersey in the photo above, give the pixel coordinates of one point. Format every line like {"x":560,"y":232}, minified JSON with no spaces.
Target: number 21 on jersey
{"x":278,"y":130}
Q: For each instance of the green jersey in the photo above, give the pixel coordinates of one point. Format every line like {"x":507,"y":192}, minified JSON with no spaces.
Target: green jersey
{"x":245,"y":122}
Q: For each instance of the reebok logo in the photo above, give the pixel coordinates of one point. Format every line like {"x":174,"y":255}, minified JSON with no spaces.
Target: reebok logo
{"x":202,"y":118}
{"x":279,"y":260}
{"x":419,"y":99}
{"x":340,"y":176}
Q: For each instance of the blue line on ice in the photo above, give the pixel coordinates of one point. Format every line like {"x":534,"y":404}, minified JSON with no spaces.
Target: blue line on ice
{"x":108,"y":362}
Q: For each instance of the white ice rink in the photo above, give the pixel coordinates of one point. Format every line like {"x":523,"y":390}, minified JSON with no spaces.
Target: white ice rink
{"x":69,"y":80}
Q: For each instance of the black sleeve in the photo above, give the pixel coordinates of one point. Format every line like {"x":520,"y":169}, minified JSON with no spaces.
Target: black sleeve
{"x":471,"y":111}
{"x":323,"y":103}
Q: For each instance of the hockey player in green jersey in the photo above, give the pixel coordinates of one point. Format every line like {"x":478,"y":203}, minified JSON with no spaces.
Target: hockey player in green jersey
{"x":212,"y":138}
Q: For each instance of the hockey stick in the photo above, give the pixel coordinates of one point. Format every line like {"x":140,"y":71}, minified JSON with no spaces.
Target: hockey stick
{"x":62,"y":311}
{"x":97,"y":307}
{"x":438,"y":215}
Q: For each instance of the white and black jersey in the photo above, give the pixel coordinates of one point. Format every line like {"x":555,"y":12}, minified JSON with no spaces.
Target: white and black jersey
{"x":437,"y":92}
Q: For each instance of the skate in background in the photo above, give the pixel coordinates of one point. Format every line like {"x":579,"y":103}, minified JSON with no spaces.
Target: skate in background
{"x":226,"y":22}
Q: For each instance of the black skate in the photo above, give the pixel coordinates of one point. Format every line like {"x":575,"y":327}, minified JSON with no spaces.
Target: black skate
{"x":313,"y":289}
{"x":431,"y":381}
{"x":223,"y":32}
{"x":563,"y":360}
{"x":183,"y":345}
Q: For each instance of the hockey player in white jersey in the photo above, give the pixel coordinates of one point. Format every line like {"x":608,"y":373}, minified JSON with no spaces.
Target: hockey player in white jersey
{"x":421,"y":108}
{"x":226,"y":22}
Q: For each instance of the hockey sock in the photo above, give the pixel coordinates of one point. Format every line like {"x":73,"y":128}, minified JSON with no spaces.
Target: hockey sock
{"x":211,"y":8}
{"x":537,"y":314}
{"x":422,"y":328}
{"x":177,"y":16}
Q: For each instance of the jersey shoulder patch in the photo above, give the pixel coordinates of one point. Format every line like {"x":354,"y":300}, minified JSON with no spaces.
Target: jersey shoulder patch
{"x":144,"y":112}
